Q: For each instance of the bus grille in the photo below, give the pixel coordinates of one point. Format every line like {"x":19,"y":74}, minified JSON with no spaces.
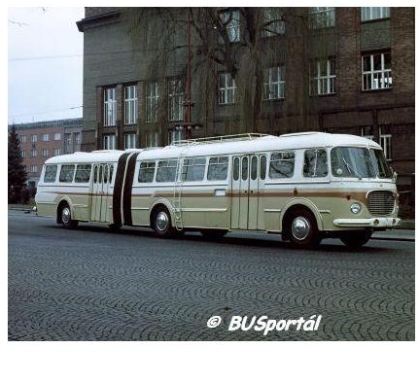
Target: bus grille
{"x":381,"y":202}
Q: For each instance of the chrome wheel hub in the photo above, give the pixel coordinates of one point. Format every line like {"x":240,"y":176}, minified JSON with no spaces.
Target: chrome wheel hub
{"x":65,"y":215}
{"x":300,"y":228}
{"x":162,"y":221}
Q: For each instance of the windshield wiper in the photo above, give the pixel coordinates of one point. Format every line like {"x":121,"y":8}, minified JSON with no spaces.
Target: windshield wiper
{"x":351,"y":169}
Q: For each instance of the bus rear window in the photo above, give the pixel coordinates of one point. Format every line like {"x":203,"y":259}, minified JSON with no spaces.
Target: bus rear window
{"x":50,"y":173}
{"x":67,"y":173}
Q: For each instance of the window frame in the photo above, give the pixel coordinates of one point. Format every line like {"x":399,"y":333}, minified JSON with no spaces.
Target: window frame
{"x":110,"y":106}
{"x":227,"y":92}
{"x":321,"y":17}
{"x":231,"y":24}
{"x":130,"y":104}
{"x":366,"y":13}
{"x":384,"y":73}
{"x":279,"y":85}
{"x":320,"y":81}
{"x":152,"y":101}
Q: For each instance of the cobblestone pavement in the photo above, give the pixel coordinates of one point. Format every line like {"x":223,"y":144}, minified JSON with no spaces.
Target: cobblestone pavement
{"x":91,"y":284}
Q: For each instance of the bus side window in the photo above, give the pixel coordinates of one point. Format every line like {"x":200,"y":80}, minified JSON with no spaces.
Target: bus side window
{"x":315,"y":164}
{"x":193,"y":169}
{"x":50,"y":173}
{"x":166,"y":171}
{"x":263,"y":167}
{"x":83,"y":173}
{"x":254,"y":167}
{"x":146,"y":172}
{"x":236,"y":169}
{"x":111,"y":172}
{"x":282,"y":165}
{"x":106,"y":170}
{"x":66,"y":173}
{"x":218,"y":168}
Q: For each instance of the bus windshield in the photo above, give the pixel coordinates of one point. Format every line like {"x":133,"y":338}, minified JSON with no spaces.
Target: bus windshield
{"x":359,"y":162}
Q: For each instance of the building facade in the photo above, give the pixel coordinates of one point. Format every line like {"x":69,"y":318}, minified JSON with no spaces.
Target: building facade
{"x":152,"y":76}
{"x":42,"y":140}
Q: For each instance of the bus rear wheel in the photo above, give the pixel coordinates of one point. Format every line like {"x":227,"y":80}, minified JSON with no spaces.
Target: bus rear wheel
{"x":66,"y":218}
{"x":356,"y":239}
{"x":301,"y":229}
{"x":162,"y":224}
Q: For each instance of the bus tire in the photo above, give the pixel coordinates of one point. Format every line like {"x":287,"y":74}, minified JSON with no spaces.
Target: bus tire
{"x":356,"y":239}
{"x":301,"y":229}
{"x":161,"y":222}
{"x":66,"y":218}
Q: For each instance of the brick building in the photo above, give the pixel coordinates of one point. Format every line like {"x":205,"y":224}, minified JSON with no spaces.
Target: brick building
{"x":343,"y":70}
{"x":42,"y":140}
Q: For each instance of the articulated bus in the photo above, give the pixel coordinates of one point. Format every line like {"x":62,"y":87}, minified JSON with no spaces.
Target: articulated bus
{"x":304,"y":186}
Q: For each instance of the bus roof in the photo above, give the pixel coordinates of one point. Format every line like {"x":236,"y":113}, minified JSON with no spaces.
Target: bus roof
{"x":84,"y":157}
{"x":218,"y":146}
{"x":260,"y":144}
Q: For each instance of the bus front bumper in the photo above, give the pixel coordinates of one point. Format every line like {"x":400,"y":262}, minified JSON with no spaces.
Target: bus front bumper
{"x":372,"y":222}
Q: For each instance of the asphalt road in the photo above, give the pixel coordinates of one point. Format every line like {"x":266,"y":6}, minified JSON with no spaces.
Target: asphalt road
{"x":92,"y":284}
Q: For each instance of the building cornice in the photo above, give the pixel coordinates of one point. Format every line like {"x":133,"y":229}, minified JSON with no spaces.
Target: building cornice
{"x":97,"y":20}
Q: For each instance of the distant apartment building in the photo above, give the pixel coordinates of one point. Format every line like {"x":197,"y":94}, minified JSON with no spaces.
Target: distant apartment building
{"x":42,"y":140}
{"x":155,"y":75}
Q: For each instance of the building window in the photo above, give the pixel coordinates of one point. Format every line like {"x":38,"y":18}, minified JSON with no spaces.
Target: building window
{"x":68,"y":144}
{"x":110,"y":107}
{"x":227,"y":89}
{"x":152,"y":139}
{"x":57,"y":136}
{"x":33,"y":153}
{"x":129,"y":141}
{"x":375,"y":13}
{"x":152,"y":99}
{"x":176,"y":99}
{"x":323,"y":77}
{"x":230,"y":24}
{"x":175,"y":135}
{"x":321,"y":17}
{"x":274,"y":83}
{"x":57,"y":152}
{"x":110,"y":142}
{"x":22,"y":139}
{"x":376,"y":71}
{"x":34,"y":138}
{"x":130,"y":105}
{"x":45,"y":153}
{"x":273,"y":23}
{"x":33,"y":168}
{"x":45,"y":137}
{"x":77,"y":140}
{"x":366,"y":132}
{"x":385,"y":142}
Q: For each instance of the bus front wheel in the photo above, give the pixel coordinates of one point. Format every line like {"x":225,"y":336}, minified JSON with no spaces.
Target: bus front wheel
{"x":66,"y":218}
{"x":301,"y":229}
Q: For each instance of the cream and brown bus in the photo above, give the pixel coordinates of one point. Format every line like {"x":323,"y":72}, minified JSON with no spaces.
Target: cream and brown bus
{"x":304,"y":186}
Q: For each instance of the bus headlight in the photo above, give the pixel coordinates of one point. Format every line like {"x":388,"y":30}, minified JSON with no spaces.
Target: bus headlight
{"x":355,"y":208}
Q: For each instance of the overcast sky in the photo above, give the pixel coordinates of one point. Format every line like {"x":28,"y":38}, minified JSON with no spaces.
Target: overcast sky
{"x":45,"y":64}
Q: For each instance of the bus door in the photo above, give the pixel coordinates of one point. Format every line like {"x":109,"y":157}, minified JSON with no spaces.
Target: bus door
{"x":100,"y":192}
{"x":245,"y":192}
